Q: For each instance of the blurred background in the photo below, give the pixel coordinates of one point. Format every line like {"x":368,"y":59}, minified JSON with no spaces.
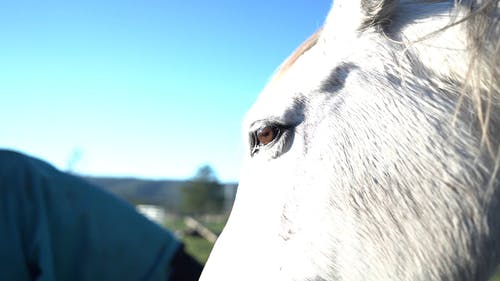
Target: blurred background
{"x":145,"y":98}
{"x":149,"y":89}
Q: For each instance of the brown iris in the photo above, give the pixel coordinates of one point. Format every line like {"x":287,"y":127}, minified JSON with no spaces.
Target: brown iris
{"x":266,"y":135}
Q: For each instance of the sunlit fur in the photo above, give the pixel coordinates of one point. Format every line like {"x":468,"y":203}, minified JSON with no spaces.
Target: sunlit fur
{"x":389,"y":167}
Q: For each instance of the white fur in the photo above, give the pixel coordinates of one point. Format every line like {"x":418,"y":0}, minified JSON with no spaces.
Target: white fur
{"x":382,"y":175}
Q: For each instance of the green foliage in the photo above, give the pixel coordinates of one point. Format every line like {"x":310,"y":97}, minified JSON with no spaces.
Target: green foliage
{"x":216,"y":226}
{"x":203,"y":194}
{"x":175,"y":224}
{"x":197,"y":247}
{"x":496,"y":277}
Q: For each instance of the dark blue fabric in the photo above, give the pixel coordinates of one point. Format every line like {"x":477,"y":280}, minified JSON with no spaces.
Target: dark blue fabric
{"x":55,"y":226}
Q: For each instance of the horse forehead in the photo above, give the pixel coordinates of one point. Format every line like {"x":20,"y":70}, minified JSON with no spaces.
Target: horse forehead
{"x":292,"y":59}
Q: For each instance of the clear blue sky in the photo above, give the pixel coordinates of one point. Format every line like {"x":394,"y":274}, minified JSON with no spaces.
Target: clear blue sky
{"x":144,"y":88}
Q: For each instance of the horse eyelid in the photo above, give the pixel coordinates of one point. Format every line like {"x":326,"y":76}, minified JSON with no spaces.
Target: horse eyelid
{"x":277,"y":128}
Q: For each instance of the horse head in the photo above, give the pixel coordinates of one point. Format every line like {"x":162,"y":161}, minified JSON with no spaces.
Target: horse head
{"x":373,"y":152}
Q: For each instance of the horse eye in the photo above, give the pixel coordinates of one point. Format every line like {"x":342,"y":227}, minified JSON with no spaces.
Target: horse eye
{"x":266,"y":135}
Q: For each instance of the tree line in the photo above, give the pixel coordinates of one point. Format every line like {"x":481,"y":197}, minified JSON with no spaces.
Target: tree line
{"x":202,"y":194}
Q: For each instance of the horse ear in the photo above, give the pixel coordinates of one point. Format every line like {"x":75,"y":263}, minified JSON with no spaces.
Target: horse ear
{"x":358,"y":15}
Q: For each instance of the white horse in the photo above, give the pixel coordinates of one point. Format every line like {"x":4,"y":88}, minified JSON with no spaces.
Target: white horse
{"x":373,"y":153}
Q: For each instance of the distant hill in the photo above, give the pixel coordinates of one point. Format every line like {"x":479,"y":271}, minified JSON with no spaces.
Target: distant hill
{"x":165,"y":193}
